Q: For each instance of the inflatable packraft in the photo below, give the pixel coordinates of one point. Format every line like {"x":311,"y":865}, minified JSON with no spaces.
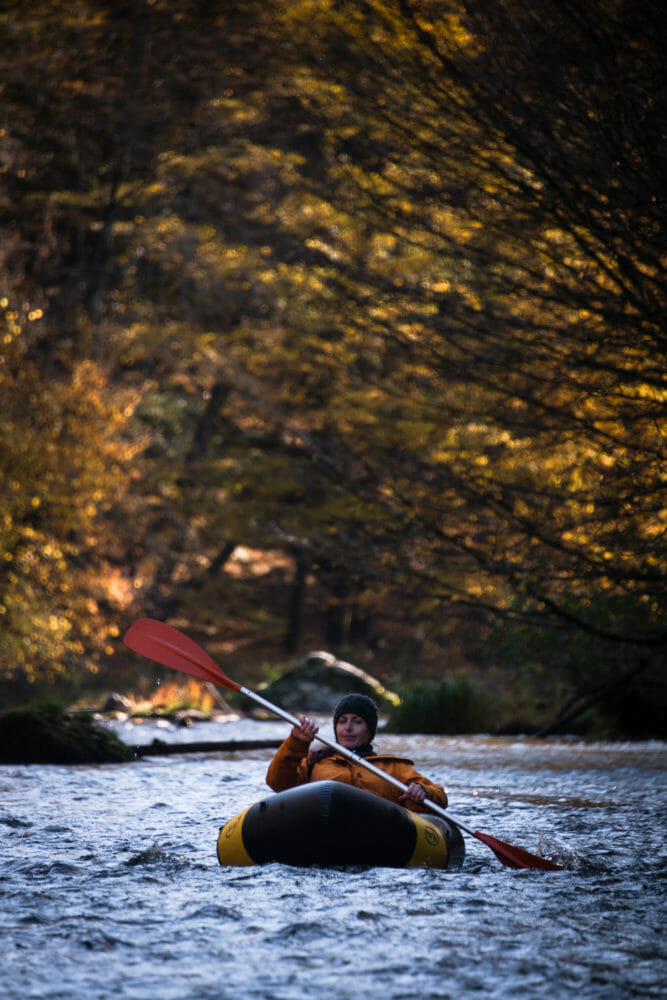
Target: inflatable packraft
{"x":331,"y":824}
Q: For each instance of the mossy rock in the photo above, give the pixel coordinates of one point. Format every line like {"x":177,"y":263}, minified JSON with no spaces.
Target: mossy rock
{"x":48,"y":735}
{"x":318,"y":681}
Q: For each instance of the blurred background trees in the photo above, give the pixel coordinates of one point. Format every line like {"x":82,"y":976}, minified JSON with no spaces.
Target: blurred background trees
{"x":337,"y":324}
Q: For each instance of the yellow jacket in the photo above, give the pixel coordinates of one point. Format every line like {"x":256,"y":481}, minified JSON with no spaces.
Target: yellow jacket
{"x":291,"y":767}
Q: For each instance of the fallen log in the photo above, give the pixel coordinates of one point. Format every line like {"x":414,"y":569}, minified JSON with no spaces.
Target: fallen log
{"x":158,"y":748}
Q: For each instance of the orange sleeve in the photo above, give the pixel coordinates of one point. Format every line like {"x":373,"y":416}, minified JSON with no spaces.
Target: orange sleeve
{"x":436,"y":793}
{"x":289,"y":766}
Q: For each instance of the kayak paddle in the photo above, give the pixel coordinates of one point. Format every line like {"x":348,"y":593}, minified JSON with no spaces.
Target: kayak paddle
{"x":170,"y":647}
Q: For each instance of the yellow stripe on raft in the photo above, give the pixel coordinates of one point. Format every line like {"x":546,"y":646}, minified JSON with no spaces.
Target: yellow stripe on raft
{"x":231,"y":849}
{"x":431,"y":849}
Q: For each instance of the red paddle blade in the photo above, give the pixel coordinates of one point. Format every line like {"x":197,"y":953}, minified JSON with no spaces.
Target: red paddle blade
{"x":516,"y":857}
{"x":165,"y":644}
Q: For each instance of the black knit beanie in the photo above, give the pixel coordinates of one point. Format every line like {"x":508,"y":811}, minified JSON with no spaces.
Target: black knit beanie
{"x":357,"y":704}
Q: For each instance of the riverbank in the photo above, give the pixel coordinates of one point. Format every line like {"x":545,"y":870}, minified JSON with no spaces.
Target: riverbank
{"x":49,"y":733}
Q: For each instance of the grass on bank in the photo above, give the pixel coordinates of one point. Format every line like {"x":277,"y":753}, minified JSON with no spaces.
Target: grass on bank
{"x":461,"y":705}
{"x":452,"y":706}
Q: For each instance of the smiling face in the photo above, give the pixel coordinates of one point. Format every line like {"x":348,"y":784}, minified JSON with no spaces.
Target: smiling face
{"x":352,"y":731}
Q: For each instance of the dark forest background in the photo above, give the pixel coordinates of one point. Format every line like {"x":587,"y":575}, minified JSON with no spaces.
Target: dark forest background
{"x":337,"y":325}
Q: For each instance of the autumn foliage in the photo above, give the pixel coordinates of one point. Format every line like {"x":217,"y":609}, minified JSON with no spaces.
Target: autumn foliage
{"x":370,"y":293}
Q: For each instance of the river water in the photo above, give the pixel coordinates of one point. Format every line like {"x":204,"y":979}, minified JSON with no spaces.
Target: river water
{"x":110,"y":887}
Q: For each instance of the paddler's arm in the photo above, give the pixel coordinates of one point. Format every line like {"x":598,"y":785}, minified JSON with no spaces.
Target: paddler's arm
{"x":420,"y":788}
{"x":288,"y":768}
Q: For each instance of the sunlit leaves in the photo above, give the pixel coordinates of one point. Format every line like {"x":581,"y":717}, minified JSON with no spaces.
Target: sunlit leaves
{"x":367,"y":281}
{"x":63,"y":451}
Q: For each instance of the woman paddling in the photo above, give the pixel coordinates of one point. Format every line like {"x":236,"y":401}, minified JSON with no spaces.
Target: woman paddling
{"x":355,"y":722}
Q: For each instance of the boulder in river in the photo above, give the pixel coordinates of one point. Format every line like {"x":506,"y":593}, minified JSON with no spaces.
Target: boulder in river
{"x":117,"y":703}
{"x":319,"y":680}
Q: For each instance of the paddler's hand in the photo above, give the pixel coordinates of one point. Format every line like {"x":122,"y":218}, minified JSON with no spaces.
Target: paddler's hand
{"x":306,"y":729}
{"x":414,"y":793}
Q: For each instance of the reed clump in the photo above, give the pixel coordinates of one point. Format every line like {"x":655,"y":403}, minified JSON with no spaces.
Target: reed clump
{"x":455,"y":705}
